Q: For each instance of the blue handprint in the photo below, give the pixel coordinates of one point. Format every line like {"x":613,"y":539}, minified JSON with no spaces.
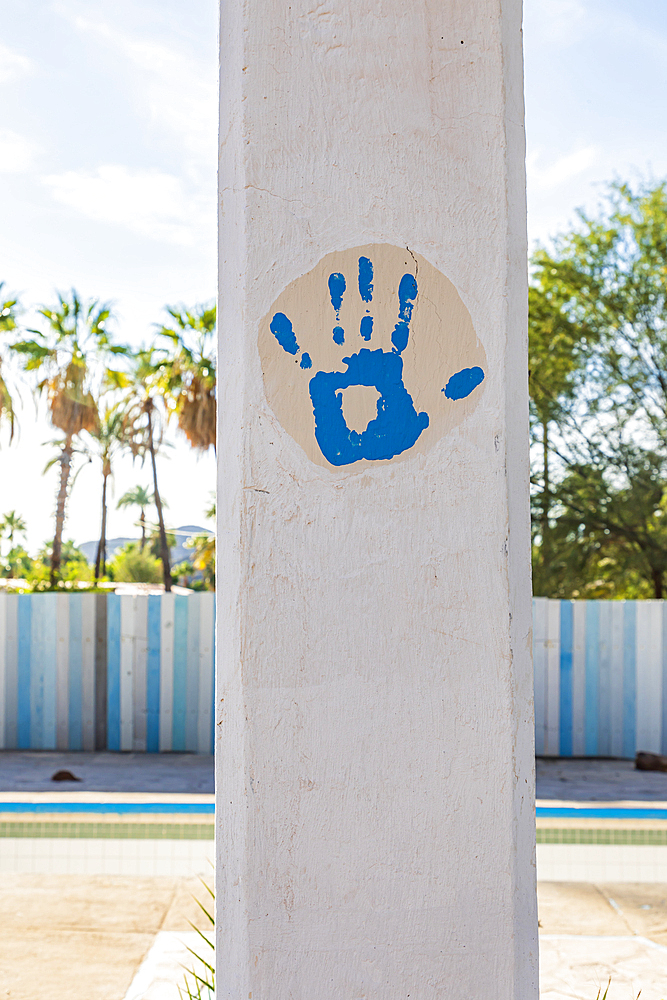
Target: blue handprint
{"x":397,"y":425}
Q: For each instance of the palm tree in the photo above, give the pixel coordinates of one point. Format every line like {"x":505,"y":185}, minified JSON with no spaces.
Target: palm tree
{"x":190,"y":372}
{"x":109,"y":438}
{"x":144,"y":425}
{"x":12,"y":524}
{"x":71,"y":355}
{"x":139,"y":497}
{"x":8,"y":310}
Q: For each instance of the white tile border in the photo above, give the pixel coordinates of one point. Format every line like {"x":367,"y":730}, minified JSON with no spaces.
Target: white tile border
{"x":601,"y":863}
{"x":101,"y":856}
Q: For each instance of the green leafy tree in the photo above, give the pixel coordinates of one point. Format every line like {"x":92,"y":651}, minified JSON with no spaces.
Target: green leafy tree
{"x":558,"y":351}
{"x":17,"y":563}
{"x":71,"y":356}
{"x":610,"y":532}
{"x":603,"y":288}
{"x":74,"y":567}
{"x":131,"y":564}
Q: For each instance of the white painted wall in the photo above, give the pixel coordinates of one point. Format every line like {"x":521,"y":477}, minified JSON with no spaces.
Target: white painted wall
{"x":374,"y":700}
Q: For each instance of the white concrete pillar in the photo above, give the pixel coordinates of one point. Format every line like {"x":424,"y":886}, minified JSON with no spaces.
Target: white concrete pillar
{"x":374,"y":702}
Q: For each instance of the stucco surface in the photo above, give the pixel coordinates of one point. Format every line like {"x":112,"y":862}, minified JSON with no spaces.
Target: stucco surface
{"x":375,"y":776}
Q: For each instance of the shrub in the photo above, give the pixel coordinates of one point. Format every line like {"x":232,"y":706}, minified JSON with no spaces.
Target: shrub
{"x":131,"y":565}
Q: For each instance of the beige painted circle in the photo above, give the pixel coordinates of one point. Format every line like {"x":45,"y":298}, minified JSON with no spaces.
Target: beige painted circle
{"x":442,"y":342}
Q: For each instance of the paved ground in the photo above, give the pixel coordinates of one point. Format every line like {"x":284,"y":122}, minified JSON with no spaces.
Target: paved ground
{"x":68,"y":937}
{"x":92,"y":936}
{"x":31,"y":771}
{"x":591,"y":933}
{"x":78,"y":937}
{"x":598,"y":781}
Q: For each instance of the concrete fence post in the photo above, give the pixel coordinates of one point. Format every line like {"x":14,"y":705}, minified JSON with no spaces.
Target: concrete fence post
{"x":374,"y":722}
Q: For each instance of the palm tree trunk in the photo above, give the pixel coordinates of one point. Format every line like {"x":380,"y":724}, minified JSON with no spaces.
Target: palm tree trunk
{"x":164,"y":547}
{"x":656,"y":576}
{"x":61,"y":501}
{"x":101,"y":558}
{"x":546,"y":497}
{"x":142,"y":522}
{"x":10,"y":571}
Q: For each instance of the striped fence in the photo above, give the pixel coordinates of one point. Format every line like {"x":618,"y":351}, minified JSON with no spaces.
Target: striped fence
{"x":101,"y":671}
{"x":600,"y":677}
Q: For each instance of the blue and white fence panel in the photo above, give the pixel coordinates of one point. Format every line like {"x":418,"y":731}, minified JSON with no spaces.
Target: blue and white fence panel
{"x":98,"y":671}
{"x":600,"y":677}
{"x":103,"y":671}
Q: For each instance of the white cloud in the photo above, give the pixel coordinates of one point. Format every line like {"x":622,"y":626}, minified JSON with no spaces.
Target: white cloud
{"x":147,"y":202}
{"x":16,"y":152}
{"x":561,"y":170}
{"x":178,"y":92}
{"x":13,"y":64}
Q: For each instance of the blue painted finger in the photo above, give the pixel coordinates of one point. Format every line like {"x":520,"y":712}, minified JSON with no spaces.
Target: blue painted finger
{"x":366,"y":292}
{"x":366,"y":279}
{"x":282,"y":330}
{"x":337,"y":288}
{"x":336,"y":291}
{"x":407,"y":295}
{"x":462,"y":383}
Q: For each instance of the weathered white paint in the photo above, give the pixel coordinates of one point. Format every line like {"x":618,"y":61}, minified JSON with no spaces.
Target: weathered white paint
{"x":62,"y":674}
{"x":578,"y":682}
{"x":166,"y":671}
{"x":88,"y":671}
{"x":649,"y":675}
{"x":206,"y":680}
{"x":140,"y":650}
{"x":374,"y":699}
{"x":553,"y":679}
{"x":615,"y":683}
{"x":3,"y":670}
{"x":540,"y":661}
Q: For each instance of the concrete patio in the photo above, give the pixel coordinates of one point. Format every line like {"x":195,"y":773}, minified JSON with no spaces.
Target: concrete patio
{"x":125,"y":934}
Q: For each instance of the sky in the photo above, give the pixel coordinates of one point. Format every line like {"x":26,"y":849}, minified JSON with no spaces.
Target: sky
{"x":108,"y":132}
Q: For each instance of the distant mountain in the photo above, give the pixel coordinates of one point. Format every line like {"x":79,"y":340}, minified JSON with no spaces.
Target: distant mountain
{"x":178,"y":553}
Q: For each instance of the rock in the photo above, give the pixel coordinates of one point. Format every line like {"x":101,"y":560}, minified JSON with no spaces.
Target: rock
{"x":650,"y":761}
{"x":64,"y":776}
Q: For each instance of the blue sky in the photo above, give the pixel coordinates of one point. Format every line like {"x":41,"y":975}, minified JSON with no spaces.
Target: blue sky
{"x":596,"y":102}
{"x":108,"y":128}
